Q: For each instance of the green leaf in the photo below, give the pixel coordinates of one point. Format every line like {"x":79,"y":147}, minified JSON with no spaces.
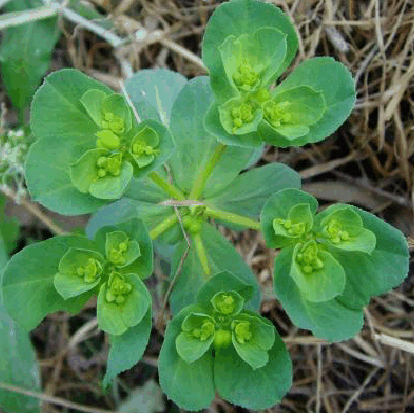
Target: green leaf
{"x":279,"y":207}
{"x":29,"y":292}
{"x":153,"y":93}
{"x":122,"y":303}
{"x":226,"y":282}
{"x":252,"y":337}
{"x":330,"y":320}
{"x":92,"y":102}
{"x":18,"y":367}
{"x":57,"y":112}
{"x":317,"y":273}
{"x":247,"y":194}
{"x":196,"y":337}
{"x":256,"y":389}
{"x":252,"y":60}
{"x":79,"y":271}
{"x":333,"y":80}
{"x":190,"y":386}
{"x":377,"y":273}
{"x":343,"y":228}
{"x":195,"y":145}
{"x":127,"y":349}
{"x":25,"y":53}
{"x":238,"y":18}
{"x":9,"y":232}
{"x":144,"y":399}
{"x":136,"y":232}
{"x":48,"y":179}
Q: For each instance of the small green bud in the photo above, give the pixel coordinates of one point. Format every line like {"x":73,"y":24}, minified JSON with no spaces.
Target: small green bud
{"x":123,"y":246}
{"x":109,"y":164}
{"x":107,"y":139}
{"x":113,"y":166}
{"x":276,"y":113}
{"x":90,"y":271}
{"x":237,"y":123}
{"x":138,"y":148}
{"x":101,"y":161}
{"x":308,"y":258}
{"x":222,"y":338}
{"x":245,"y":77}
{"x":335,"y":232}
{"x":225,"y":304}
{"x":117,"y":288}
{"x":101,"y":173}
{"x":114,"y":123}
{"x":235,"y":112}
{"x":344,"y":235}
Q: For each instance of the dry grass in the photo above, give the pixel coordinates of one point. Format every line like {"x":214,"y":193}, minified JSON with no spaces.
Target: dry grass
{"x":367,"y":162}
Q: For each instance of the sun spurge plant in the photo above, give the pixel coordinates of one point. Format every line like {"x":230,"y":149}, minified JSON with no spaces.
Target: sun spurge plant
{"x":217,"y":345}
{"x":159,"y":165}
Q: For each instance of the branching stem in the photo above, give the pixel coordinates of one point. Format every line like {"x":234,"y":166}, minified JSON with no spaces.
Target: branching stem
{"x":167,"y":223}
{"x":233,"y":218}
{"x":171,"y":189}
{"x":201,"y":252}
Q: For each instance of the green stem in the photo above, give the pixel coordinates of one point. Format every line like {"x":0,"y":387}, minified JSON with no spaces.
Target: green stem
{"x":167,"y":223}
{"x":204,"y":174}
{"x":233,"y":218}
{"x":172,"y":190}
{"x":201,"y":252}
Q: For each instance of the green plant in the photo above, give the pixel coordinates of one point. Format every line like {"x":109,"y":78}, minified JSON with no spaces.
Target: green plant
{"x":166,"y":155}
{"x":25,"y":52}
{"x":18,"y":365}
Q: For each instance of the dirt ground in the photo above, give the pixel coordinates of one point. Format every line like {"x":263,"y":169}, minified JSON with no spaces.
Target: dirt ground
{"x":367,"y":162}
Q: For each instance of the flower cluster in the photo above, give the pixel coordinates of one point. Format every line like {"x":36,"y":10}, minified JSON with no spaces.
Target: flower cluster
{"x":330,"y":262}
{"x":113,"y":269}
{"x":122,"y":146}
{"x":253,"y":51}
{"x":224,"y":345}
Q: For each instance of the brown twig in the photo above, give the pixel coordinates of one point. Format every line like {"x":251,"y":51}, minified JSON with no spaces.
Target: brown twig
{"x":33,"y":209}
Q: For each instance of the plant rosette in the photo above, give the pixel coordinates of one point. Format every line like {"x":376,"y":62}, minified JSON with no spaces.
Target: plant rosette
{"x":257,"y":42}
{"x":331,"y":262}
{"x":201,"y":171}
{"x":90,"y":144}
{"x":229,"y":349}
